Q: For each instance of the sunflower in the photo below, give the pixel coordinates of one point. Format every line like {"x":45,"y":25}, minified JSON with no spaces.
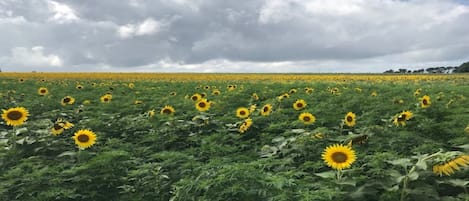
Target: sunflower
{"x":292,"y":91}
{"x":15,"y":116}
{"x":216,"y":92}
{"x":173,"y":93}
{"x":245,"y":125}
{"x":138,"y":102}
{"x":417,"y":92}
{"x":79,"y":87}
{"x":202,"y":105}
{"x":206,"y":87}
{"x":449,"y":167}
{"x":374,"y":94}
{"x":254,"y":96}
{"x":86,"y":102}
{"x":242,"y":112}
{"x":151,"y":113}
{"x":309,"y":90}
{"x":106,"y":98}
{"x":402,"y":118}
{"x":252,"y":108}
{"x":21,"y":80}
{"x":168,"y":109}
{"x":307,"y":118}
{"x":42,"y":91}
{"x":299,"y":104}
{"x":350,"y":118}
{"x":67,"y":100}
{"x":338,"y":156}
{"x":57,"y":129}
{"x":266,"y":110}
{"x":335,"y":91}
{"x":425,"y":101}
{"x":196,"y":97}
{"x":131,"y":85}
{"x":231,"y":87}
{"x":84,"y":138}
{"x":64,"y":124}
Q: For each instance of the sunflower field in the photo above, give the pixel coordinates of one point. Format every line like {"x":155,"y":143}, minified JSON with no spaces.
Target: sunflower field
{"x":135,"y":137}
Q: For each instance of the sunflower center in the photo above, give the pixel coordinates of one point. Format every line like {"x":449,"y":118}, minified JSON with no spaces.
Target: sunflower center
{"x":106,"y":99}
{"x":401,"y":117}
{"x":43,"y":91}
{"x":14,"y":115}
{"x":349,"y":119}
{"x":57,"y":126}
{"x":299,"y":105}
{"x":202,"y":104}
{"x":83,"y":138}
{"x":194,"y":98}
{"x":166,"y":111}
{"x":242,"y":112}
{"x":339,"y":157}
{"x":66,"y":100}
{"x":266,"y":109}
{"x":306,"y":118}
{"x":425,"y":101}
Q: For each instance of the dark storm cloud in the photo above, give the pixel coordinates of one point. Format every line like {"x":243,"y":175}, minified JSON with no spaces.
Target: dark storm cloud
{"x":247,"y":36}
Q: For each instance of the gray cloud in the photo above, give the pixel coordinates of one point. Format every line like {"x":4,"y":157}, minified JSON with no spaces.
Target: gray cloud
{"x":229,"y":36}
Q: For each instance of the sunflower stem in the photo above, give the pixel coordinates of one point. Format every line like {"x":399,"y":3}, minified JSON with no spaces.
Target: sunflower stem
{"x":339,"y":175}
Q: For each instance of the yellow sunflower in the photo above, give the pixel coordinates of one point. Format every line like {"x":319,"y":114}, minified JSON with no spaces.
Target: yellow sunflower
{"x":106,"y":98}
{"x":151,"y":113}
{"x":254,"y":96}
{"x":79,"y":87}
{"x":299,"y":104}
{"x":138,"y":102}
{"x":338,"y":156}
{"x":42,"y":91}
{"x":242,"y":112}
{"x":15,"y":116}
{"x":168,"y":109}
{"x":402,"y":118}
{"x":449,"y":167}
{"x":216,"y":92}
{"x":245,"y":125}
{"x":57,"y":129}
{"x":173,"y":93}
{"x":350,"y":119}
{"x":196,"y":97}
{"x":292,"y":91}
{"x":64,"y":124}
{"x":425,"y":101}
{"x":266,"y":110}
{"x":67,"y":100}
{"x":84,"y":138}
{"x":202,"y":105}
{"x":307,"y":118}
{"x":309,"y":90}
{"x":417,"y":92}
{"x":374,"y":94}
{"x":131,"y":85}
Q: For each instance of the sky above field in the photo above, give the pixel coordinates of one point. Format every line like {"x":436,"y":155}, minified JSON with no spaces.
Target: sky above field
{"x":232,"y":36}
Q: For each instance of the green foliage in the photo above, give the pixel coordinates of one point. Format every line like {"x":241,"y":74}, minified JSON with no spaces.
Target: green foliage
{"x":191,"y":155}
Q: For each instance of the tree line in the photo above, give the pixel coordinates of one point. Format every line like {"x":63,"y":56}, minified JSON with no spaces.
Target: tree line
{"x":463,"y":68}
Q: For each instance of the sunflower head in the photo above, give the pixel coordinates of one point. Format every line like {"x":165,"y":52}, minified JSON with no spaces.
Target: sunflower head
{"x":309,"y":90}
{"x":242,"y":112}
{"x":307,"y":118}
{"x":15,"y":116}
{"x":449,"y":167}
{"x":84,"y":138}
{"x":350,"y":119}
{"x":79,"y":86}
{"x":173,"y":93}
{"x":266,"y":110}
{"x":196,"y":97}
{"x":57,"y":129}
{"x":254,"y":96}
{"x":202,"y":105}
{"x":67,"y":100}
{"x":299,"y":104}
{"x":425,"y":101}
{"x":216,"y":92}
{"x":292,"y":91}
{"x":106,"y":98}
{"x":339,"y":156}
{"x":42,"y":91}
{"x":168,"y":109}
{"x":245,"y":125}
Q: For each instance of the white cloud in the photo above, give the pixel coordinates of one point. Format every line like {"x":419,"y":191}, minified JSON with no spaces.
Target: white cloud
{"x":147,"y":27}
{"x":32,"y":58}
{"x":62,"y":13}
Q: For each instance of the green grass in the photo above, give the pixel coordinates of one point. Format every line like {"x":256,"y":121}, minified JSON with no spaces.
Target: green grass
{"x":194,"y":155}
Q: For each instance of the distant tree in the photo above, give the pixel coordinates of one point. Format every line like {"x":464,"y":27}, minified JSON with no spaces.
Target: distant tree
{"x":389,"y":71}
{"x":463,"y":68}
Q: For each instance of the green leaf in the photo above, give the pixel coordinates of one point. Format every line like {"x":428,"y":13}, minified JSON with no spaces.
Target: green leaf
{"x":458,"y":182}
{"x":326,"y":175}
{"x":404,"y":162}
{"x":67,"y":153}
{"x":421,"y":164}
{"x":413,"y":176}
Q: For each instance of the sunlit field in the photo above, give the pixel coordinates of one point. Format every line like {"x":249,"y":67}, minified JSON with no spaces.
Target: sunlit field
{"x":143,"y":136}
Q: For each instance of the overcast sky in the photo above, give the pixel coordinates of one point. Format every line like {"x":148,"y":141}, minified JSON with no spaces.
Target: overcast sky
{"x":232,"y":36}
